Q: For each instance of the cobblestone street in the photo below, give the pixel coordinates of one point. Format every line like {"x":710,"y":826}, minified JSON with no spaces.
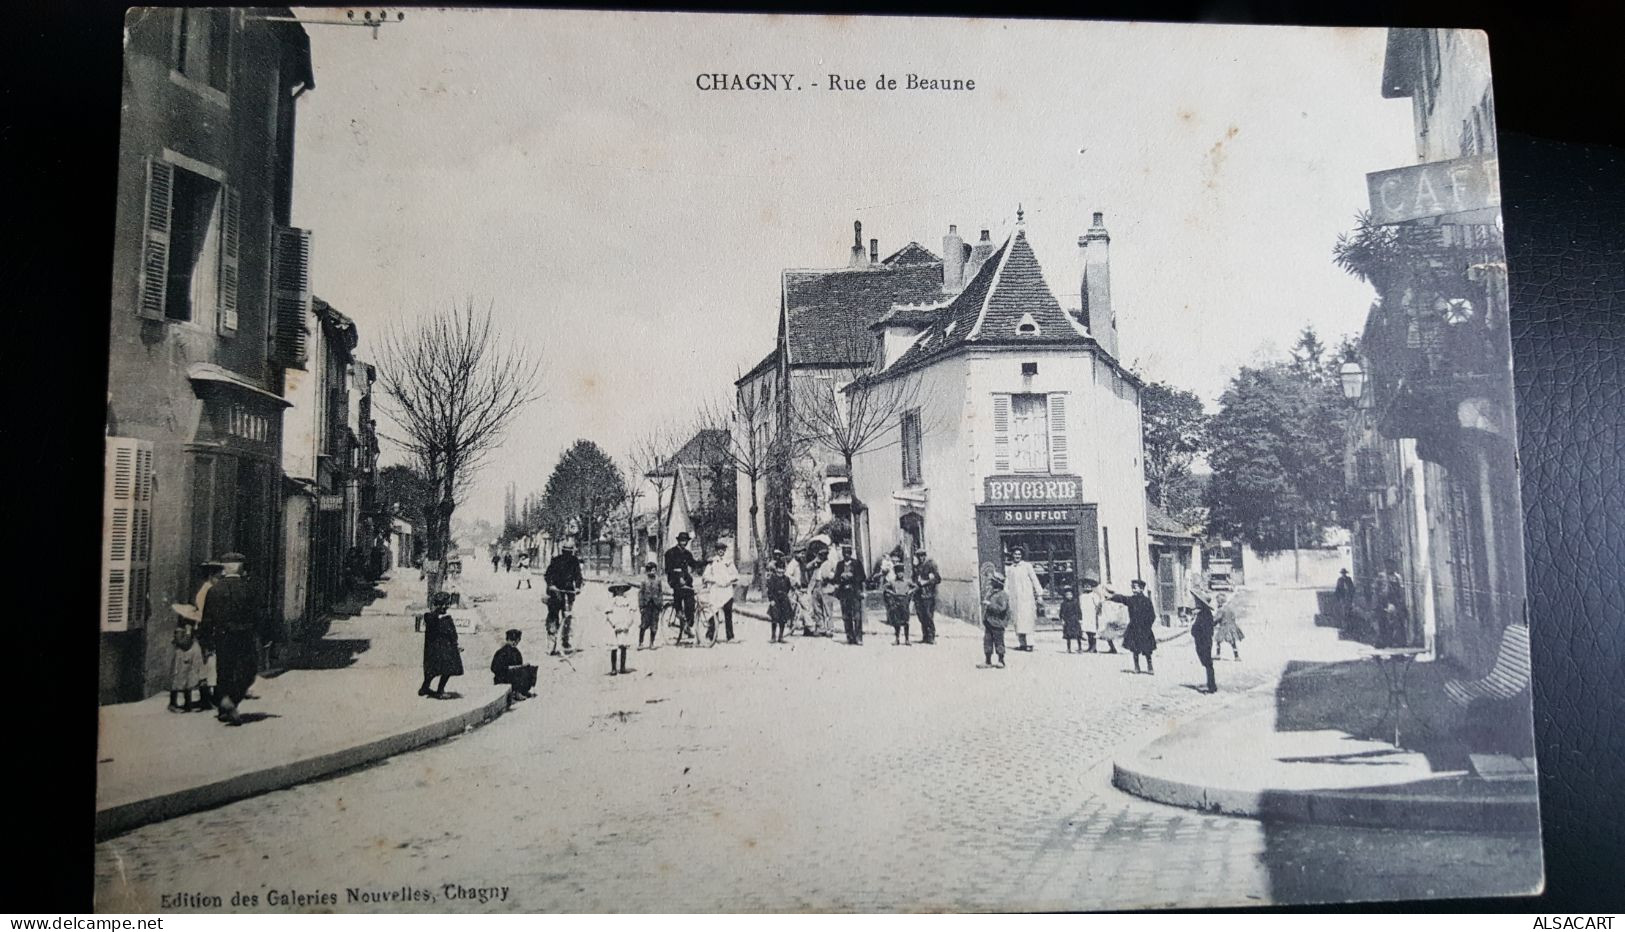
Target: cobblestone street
{"x":805,"y":776}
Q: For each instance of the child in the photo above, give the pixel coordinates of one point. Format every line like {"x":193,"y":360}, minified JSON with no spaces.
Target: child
{"x":441,"y":656}
{"x":1226,"y":630}
{"x":651,"y":596}
{"x":621,"y":617}
{"x":508,"y":666}
{"x":995,"y":614}
{"x":898,"y":591}
{"x":186,"y":668}
{"x":779,"y":610}
{"x":1071,"y":618}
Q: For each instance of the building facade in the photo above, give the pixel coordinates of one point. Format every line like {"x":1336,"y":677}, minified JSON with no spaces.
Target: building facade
{"x":210,"y":284}
{"x":1026,"y":432}
{"x":1432,"y":448}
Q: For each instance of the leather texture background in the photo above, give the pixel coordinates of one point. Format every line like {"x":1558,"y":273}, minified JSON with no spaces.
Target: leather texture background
{"x":1564,"y":215}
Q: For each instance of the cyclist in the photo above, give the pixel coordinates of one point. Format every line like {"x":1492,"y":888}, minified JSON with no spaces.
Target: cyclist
{"x":564,"y":580}
{"x":680,"y":567}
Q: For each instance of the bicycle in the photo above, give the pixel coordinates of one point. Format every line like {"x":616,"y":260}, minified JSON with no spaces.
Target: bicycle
{"x":564,"y":619}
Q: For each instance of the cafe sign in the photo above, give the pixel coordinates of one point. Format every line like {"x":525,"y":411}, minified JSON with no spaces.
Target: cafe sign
{"x":1435,"y":189}
{"x":1034,"y":490}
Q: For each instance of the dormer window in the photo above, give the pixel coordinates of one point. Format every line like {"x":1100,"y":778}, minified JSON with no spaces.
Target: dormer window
{"x":1028,"y":326}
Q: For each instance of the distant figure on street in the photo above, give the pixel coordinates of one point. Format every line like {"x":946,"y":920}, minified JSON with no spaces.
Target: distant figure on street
{"x":1102,"y":626}
{"x":1141,"y":637}
{"x":1202,"y":638}
{"x":524,"y":571}
{"x":1071,"y":618}
{"x":507,"y":562}
{"x":1225,"y":628}
{"x":441,"y":656}
{"x":564,"y":580}
{"x":508,"y":666}
{"x":821,"y":587}
{"x":720,"y":578}
{"x":780,"y":607}
{"x":898,"y":592}
{"x":230,"y":628}
{"x":680,"y":566}
{"x":1343,"y":595}
{"x":848,"y":578}
{"x":496,"y":562}
{"x":1022,"y":585}
{"x":995,"y":615}
{"x":622,"y":616}
{"x":651,"y":598}
{"x":926,"y":581}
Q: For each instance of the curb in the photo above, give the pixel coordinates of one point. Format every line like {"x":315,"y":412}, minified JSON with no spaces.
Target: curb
{"x":1337,"y":807}
{"x":126,"y":816}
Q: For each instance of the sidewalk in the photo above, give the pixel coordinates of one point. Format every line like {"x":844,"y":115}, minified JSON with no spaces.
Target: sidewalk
{"x":351,"y":701}
{"x":1312,"y":743}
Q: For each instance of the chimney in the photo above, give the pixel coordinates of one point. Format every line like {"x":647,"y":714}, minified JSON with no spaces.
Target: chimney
{"x":860,"y":259}
{"x":953,"y":261}
{"x":874,"y":252}
{"x":1096,"y":286}
{"x":978,"y":255}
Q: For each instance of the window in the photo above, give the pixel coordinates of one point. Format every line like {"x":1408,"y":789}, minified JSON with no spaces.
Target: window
{"x":190,"y":249}
{"x":126,"y":533}
{"x":911,"y":447}
{"x":1028,"y":326}
{"x":203,"y":46}
{"x":1029,"y":433}
{"x":194,"y":241}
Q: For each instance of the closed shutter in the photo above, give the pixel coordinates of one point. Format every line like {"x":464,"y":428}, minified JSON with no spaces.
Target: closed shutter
{"x":1059,"y":461}
{"x":126,"y":533}
{"x":231,"y":222}
{"x":1001,"y":433}
{"x":290,"y":295}
{"x":155,"y":243}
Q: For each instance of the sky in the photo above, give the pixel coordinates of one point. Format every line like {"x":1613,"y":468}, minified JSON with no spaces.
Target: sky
{"x":629,"y":229}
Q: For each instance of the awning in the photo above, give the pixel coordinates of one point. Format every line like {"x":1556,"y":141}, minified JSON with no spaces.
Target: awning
{"x":210,"y":373}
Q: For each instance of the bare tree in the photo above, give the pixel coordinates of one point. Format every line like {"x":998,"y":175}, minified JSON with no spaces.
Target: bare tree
{"x":451,"y":385}
{"x":749,"y":450}
{"x":651,"y":458}
{"x":858,"y":417}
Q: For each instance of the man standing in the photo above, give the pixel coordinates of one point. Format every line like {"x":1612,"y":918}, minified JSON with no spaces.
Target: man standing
{"x":564,"y":580}
{"x":720,"y":577}
{"x":1202,"y":638}
{"x":849,"y":577}
{"x":1344,"y":596}
{"x":1023,"y":588}
{"x":680,"y":566}
{"x":926,"y":581}
{"x":1141,"y":636}
{"x":230,"y":628}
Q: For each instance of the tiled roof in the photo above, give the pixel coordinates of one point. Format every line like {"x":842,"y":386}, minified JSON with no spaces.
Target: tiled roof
{"x":1007,"y":289}
{"x":829,"y":311}
{"x":912,"y":315}
{"x":1159,"y":524}
{"x":708,"y":446}
{"x":912,"y":254}
{"x":767,"y":363}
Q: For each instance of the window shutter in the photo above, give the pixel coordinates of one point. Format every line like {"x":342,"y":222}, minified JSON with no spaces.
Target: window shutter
{"x":1059,"y":461}
{"x":126,"y":533}
{"x":1001,"y":433}
{"x":230,"y":223}
{"x":290,"y":294}
{"x":155,"y":243}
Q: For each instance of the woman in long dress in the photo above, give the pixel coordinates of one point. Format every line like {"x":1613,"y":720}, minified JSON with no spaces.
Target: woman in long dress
{"x":1022,"y":586}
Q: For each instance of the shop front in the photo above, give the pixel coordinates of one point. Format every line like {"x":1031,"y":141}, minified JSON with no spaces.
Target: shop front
{"x":1047,"y":519}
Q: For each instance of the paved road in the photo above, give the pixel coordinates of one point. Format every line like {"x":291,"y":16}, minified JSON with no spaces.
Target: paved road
{"x":806,"y":776}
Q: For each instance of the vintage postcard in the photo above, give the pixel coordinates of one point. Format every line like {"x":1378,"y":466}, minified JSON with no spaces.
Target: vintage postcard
{"x":526,"y":428}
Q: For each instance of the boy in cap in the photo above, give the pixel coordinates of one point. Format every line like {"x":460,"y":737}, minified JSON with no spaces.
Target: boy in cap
{"x":651,"y":596}
{"x":508,"y":666}
{"x":897,"y":591}
{"x":1071,"y":618}
{"x":779,"y":609}
{"x":621,"y":617}
{"x":995,"y":615}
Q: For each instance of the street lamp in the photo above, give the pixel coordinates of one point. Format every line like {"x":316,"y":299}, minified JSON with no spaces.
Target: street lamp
{"x":1352,"y":377}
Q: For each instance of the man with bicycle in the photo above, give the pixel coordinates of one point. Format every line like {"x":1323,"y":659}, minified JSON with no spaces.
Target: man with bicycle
{"x":564,"y":580}
{"x":680,"y":567}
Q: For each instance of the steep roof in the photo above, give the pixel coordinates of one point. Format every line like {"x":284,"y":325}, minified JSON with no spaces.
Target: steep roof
{"x":912,"y":254}
{"x":1007,"y":290}
{"x":767,"y":362}
{"x":708,"y":447}
{"x":828,"y":311}
{"x":1159,"y":524}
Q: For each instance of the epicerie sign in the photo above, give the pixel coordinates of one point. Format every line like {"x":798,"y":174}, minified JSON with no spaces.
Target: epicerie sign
{"x":1067,"y":489}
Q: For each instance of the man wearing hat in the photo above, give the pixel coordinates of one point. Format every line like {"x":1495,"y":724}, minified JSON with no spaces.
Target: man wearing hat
{"x":230,"y":628}
{"x":564,"y":580}
{"x":848,"y":578}
{"x":1141,"y":636}
{"x":1202,"y":637}
{"x":926,"y":580}
{"x":680,"y":567}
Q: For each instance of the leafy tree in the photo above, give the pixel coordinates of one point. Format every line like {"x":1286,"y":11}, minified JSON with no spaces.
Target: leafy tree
{"x":582,"y":493}
{"x":1175,"y":434}
{"x":1278,"y":452}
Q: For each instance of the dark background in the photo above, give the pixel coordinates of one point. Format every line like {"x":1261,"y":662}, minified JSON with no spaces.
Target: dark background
{"x":1560,"y":100}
